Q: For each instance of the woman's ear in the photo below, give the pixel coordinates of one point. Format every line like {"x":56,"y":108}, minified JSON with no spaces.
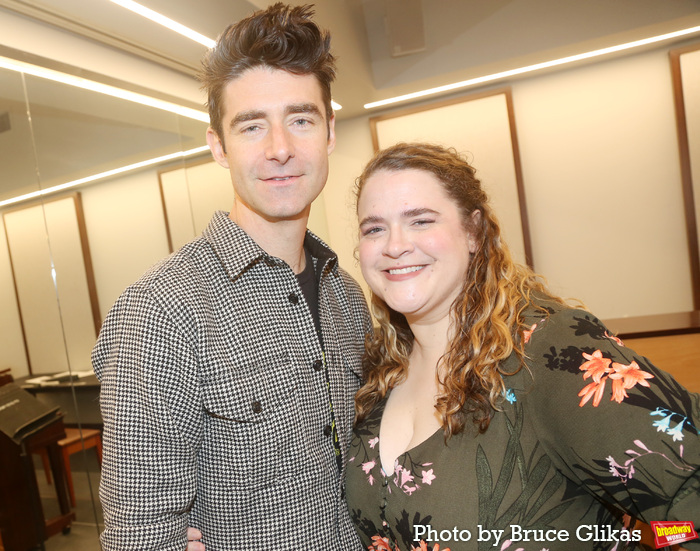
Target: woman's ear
{"x":474,"y":222}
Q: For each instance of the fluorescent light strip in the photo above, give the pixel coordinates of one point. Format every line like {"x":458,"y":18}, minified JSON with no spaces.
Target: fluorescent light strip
{"x":179,"y":28}
{"x":166,"y":22}
{"x":102,"y":175}
{"x":42,"y":72}
{"x":530,"y":68}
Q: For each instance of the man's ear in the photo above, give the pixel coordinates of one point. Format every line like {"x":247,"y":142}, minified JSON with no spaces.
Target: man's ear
{"x":331,"y":134}
{"x":217,"y":148}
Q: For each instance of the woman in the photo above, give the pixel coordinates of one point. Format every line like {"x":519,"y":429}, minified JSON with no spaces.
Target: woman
{"x":493,"y":415}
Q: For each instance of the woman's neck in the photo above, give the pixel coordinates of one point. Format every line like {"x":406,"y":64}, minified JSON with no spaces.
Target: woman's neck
{"x":431,"y":342}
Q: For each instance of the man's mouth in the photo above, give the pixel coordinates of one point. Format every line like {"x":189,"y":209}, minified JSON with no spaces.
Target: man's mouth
{"x":281,"y":178}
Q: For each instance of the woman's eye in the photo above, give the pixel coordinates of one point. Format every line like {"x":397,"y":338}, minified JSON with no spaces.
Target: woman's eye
{"x":423,"y":222}
{"x":371,"y":230}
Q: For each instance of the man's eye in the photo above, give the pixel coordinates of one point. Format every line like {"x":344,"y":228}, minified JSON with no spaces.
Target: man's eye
{"x":249,"y":129}
{"x":302,"y":122}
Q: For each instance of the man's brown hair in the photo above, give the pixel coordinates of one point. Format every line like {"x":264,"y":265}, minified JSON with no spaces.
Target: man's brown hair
{"x":279,"y":37}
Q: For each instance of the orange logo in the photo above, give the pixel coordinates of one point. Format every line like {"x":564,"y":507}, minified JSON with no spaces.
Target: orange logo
{"x":671,"y":533}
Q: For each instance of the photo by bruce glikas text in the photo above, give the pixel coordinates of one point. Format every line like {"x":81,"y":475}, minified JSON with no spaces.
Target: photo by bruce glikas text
{"x":584,"y":533}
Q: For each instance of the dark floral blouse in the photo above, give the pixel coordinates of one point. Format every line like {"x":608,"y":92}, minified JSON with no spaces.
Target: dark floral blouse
{"x":590,"y":435}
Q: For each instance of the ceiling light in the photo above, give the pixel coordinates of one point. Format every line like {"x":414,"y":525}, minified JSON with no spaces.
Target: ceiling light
{"x":166,"y":22}
{"x":35,"y":70}
{"x":179,"y":28}
{"x":530,"y":68}
{"x":103,"y":175}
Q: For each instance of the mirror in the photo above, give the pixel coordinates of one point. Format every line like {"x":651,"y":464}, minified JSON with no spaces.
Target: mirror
{"x":67,"y":254}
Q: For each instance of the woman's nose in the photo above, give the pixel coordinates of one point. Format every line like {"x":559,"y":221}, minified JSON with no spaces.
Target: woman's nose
{"x":398,"y":243}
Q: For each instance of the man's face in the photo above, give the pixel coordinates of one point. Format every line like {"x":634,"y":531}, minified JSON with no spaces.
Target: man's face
{"x":276,"y":143}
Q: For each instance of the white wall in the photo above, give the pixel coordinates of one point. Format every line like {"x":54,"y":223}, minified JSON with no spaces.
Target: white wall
{"x":602,"y":179}
{"x":126,"y":231}
{"x":600,"y":164}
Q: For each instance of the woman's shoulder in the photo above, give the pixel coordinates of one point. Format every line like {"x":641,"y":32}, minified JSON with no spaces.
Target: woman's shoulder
{"x":546,"y":321}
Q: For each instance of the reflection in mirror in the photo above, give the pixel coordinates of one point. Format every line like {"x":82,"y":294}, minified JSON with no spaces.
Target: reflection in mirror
{"x":17,"y":175}
{"x":77,"y":229}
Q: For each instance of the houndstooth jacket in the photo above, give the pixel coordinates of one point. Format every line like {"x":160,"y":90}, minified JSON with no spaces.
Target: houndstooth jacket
{"x":215,"y":403}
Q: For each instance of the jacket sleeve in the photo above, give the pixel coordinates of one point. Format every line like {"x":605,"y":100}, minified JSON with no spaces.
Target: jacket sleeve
{"x":150,"y":408}
{"x":614,"y":424}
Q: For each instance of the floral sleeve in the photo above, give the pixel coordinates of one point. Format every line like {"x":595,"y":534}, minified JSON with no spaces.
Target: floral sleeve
{"x":617,"y":426}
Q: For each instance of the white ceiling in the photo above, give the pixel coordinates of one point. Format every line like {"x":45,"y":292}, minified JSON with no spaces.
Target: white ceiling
{"x":462,"y":38}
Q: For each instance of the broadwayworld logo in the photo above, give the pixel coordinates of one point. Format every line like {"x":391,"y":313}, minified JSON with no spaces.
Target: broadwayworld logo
{"x":671,"y":533}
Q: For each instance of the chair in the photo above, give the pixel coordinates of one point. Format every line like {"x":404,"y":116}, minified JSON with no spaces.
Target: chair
{"x":5,"y":376}
{"x":73,"y":443}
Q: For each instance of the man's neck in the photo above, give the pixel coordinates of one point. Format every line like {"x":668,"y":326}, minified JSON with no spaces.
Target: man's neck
{"x":283,"y":239}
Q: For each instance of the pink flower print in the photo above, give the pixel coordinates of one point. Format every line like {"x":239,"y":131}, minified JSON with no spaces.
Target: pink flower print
{"x":373,"y":442}
{"x":596,"y":366}
{"x":406,"y":477}
{"x":368,"y":466}
{"x":614,"y":338}
{"x":379,"y":544}
{"x":527,"y":334}
{"x":618,"y":391}
{"x":370,"y":479}
{"x":590,"y":390}
{"x":630,"y":374}
{"x":428,"y":477}
{"x":615,"y":469}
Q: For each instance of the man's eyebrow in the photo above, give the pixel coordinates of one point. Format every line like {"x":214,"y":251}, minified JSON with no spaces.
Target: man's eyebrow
{"x":245,"y":116}
{"x":311,"y":108}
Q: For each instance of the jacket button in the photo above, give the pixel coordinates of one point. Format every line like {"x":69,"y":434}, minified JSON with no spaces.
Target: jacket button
{"x":257,"y":407}
{"x":318,"y":365}
{"x":327,"y":430}
{"x":293,"y":298}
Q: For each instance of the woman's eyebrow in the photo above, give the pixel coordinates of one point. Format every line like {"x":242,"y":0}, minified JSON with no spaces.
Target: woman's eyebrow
{"x":420,"y":211}
{"x":408,"y":213}
{"x":371,"y":219}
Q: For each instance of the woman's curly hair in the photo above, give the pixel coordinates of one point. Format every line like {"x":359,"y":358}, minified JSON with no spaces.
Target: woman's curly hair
{"x":486,"y":315}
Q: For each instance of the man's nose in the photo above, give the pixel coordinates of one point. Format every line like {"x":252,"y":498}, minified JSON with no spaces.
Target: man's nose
{"x":280,"y":146}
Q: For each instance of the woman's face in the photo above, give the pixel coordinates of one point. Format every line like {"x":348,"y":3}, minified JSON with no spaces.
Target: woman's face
{"x":414,"y":250}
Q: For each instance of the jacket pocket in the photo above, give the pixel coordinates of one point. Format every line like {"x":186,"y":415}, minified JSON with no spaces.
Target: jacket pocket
{"x":247,"y":416}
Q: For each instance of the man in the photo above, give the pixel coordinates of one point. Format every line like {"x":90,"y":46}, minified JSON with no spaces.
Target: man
{"x":228,"y":370}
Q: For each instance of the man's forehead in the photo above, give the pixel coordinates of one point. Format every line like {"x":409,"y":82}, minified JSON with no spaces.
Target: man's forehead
{"x":268,"y":91}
